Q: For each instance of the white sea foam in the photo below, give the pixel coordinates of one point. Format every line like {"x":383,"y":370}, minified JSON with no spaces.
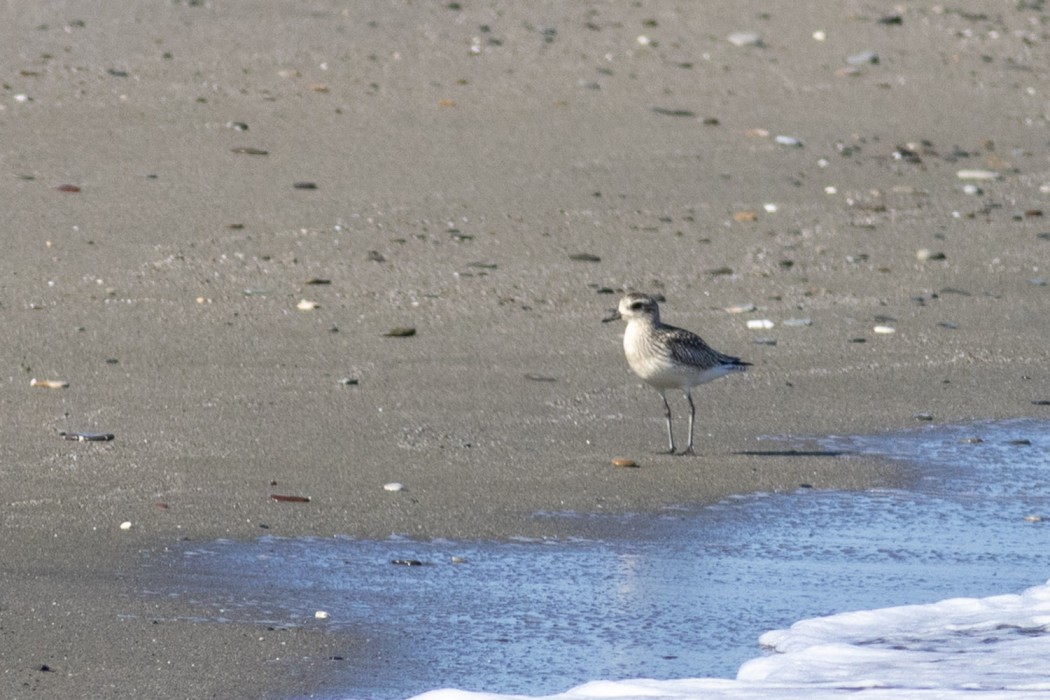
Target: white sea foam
{"x":961,"y":648}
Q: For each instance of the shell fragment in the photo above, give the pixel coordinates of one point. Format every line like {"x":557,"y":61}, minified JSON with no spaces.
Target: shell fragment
{"x":49,"y":383}
{"x":978,"y":175}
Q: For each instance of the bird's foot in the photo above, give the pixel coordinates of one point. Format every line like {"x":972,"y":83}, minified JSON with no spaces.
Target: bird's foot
{"x":687,"y":451}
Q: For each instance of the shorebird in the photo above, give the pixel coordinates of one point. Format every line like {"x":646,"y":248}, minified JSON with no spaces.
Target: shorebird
{"x":669,"y":358}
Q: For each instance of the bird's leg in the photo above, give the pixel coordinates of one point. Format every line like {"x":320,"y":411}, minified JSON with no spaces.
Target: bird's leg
{"x":692,"y":417}
{"x":667,"y":414}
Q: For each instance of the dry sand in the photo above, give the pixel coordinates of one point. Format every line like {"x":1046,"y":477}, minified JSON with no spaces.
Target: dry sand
{"x":462,"y":154}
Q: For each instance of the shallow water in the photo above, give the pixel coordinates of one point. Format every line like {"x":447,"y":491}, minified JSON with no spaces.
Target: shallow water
{"x":686,"y":595}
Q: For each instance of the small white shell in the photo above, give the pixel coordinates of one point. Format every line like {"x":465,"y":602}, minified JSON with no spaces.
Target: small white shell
{"x":307,"y":305}
{"x":977,"y":175}
{"x":49,"y":383}
{"x":394,"y":486}
{"x":884,"y":330}
{"x":321,"y":615}
{"x":788,"y":141}
{"x":760,"y":324}
{"x":745,"y":39}
{"x":126,"y":525}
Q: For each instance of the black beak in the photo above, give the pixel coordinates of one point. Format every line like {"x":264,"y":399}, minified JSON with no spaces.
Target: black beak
{"x":614,"y":315}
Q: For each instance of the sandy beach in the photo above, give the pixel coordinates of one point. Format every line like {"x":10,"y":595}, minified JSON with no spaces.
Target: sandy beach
{"x":216,"y":213}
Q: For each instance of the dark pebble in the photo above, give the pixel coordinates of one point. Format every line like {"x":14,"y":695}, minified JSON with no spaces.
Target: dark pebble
{"x":923,"y":416}
{"x":72,"y":189}
{"x":907,"y":155}
{"x":539,"y":378}
{"x":318,"y":280}
{"x":406,"y":562}
{"x":375,"y":256}
{"x":305,"y":185}
{"x":1041,"y":402}
{"x":406,"y":332}
{"x":248,"y":151}
{"x":1021,"y":442}
{"x":289,"y":499}
{"x":584,"y":257}
{"x":88,"y":437}
{"x":664,"y":111}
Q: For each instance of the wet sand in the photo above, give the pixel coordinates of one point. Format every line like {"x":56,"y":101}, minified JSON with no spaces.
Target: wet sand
{"x":462,"y":156}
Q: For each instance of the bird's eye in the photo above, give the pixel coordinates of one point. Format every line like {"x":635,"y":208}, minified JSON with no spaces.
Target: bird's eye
{"x":637,"y":306}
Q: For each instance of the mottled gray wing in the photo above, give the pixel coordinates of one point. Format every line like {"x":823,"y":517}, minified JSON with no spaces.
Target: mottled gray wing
{"x":689,"y":348}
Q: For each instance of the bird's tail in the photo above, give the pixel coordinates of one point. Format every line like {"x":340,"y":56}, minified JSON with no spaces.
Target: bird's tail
{"x":733,"y":364}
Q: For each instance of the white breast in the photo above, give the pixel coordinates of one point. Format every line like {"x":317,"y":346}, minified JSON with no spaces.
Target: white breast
{"x":653,"y":364}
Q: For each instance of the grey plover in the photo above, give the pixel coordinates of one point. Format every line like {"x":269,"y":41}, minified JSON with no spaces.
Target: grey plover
{"x":667,"y":357}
